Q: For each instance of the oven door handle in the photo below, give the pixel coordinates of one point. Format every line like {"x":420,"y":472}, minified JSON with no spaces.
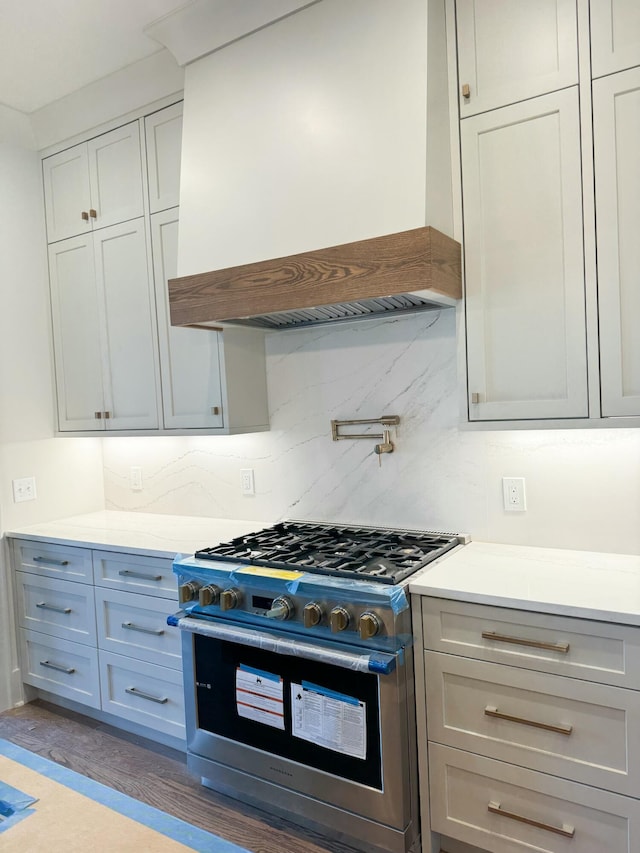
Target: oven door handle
{"x":382,"y":663}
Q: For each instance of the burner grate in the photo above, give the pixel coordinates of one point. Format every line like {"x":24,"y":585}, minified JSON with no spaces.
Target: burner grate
{"x":365,"y":553}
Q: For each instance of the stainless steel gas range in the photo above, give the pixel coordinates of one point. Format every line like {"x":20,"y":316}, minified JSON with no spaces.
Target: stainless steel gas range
{"x":298,"y":666}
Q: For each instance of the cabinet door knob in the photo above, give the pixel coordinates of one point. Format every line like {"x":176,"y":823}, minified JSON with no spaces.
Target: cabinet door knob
{"x":93,"y":214}
{"x":215,"y":410}
{"x":85,"y":215}
{"x":475,"y":397}
{"x":466,"y":91}
{"x":98,"y":416}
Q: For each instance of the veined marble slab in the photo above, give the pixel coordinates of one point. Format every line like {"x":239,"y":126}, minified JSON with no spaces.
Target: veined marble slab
{"x":586,"y":584}
{"x":150,"y":534}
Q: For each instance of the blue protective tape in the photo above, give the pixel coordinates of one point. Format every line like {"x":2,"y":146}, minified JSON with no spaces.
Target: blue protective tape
{"x":324,"y":691}
{"x":261,"y":672}
{"x":183,"y":833}
{"x":367,"y":593}
{"x":382,"y":664}
{"x":12,"y":800}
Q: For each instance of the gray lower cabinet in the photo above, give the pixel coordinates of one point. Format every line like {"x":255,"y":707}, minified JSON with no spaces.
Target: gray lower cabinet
{"x":92,"y":631}
{"x":528,"y":730}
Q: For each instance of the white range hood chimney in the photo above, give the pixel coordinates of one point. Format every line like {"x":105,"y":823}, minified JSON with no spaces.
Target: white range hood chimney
{"x":308,"y":126}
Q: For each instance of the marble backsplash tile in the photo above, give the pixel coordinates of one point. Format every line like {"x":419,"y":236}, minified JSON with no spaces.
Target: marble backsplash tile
{"x":583,"y":486}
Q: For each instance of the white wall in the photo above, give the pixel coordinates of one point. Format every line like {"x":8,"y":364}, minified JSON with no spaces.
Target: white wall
{"x":583,"y":486}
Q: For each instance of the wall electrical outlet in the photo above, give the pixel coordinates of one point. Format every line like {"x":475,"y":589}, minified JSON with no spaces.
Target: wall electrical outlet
{"x":247,"y":483}
{"x":24,"y":489}
{"x":513,"y":494}
{"x":135,"y":478}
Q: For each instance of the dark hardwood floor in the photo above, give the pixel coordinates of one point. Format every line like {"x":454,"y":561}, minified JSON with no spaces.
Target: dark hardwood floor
{"x":153,"y":774}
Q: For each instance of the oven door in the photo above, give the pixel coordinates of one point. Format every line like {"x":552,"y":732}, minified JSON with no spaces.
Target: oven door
{"x":303,"y":717}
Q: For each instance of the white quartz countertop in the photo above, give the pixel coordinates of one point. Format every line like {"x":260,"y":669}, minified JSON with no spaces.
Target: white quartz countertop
{"x":138,"y":532}
{"x":587,"y":584}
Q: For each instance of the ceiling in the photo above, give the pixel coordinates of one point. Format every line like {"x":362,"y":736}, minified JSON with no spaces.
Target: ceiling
{"x":49,"y":48}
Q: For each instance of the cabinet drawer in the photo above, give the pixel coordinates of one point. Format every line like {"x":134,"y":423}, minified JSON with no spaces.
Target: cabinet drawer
{"x":494,"y":806}
{"x":579,"y":648}
{"x":574,"y":729}
{"x":143,"y":693}
{"x":147,"y":575}
{"x":64,"y":668}
{"x":135,"y":625}
{"x":54,"y":561}
{"x":59,"y":608}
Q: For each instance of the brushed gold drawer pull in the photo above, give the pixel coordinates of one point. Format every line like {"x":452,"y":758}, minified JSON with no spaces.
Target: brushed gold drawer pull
{"x":466,"y":91}
{"x":563,"y":648}
{"x":566,"y":829}
{"x":492,"y":711}
{"x":93,"y":214}
{"x":85,"y":216}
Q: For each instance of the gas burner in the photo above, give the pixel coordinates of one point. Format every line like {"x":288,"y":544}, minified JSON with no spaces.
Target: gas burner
{"x":365,"y":553}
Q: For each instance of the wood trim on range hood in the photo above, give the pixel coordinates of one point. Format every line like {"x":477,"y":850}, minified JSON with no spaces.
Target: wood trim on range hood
{"x":409,"y":271}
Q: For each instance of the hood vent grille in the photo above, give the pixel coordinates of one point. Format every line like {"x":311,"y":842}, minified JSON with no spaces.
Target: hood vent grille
{"x":401,"y":273}
{"x":405,"y":303}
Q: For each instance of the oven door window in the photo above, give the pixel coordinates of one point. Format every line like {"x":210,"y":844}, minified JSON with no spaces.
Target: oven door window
{"x":266,"y":721}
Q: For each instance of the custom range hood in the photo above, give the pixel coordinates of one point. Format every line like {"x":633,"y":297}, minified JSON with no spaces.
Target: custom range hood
{"x":406,"y":272}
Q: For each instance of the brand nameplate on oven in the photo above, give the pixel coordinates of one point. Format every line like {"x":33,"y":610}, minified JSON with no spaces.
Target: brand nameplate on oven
{"x":265,"y":572}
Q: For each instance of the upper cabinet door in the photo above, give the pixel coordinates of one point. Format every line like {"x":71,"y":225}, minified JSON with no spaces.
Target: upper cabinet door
{"x":66,"y":193}
{"x":189,"y":358}
{"x":115,"y":170}
{"x":164,"y":142}
{"x":524,"y":267}
{"x":615,"y":35}
{"x":510,"y":50}
{"x":127,"y":325}
{"x":616,"y":119}
{"x":77,"y":337}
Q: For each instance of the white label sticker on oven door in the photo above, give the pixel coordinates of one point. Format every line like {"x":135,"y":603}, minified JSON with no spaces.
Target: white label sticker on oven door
{"x":329,"y":719}
{"x":260,"y":696}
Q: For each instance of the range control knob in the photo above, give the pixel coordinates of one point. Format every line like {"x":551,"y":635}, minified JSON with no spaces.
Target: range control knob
{"x":339,"y":619}
{"x":229,"y":598}
{"x":369,"y":625}
{"x":312,"y":615}
{"x":281,"y":608}
{"x":208,"y":595}
{"x":188,"y":591}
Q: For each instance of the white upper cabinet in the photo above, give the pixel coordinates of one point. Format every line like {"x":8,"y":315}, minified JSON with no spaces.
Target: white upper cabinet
{"x":510,"y":50}
{"x":615,"y":35}
{"x":103,"y":330}
{"x":616,"y":116}
{"x":189,"y":358}
{"x":95,"y":184}
{"x":163,"y":131}
{"x":76,"y":334}
{"x":524,"y":261}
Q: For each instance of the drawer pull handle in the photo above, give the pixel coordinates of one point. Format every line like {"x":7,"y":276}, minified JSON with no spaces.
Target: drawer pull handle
{"x":135,"y":692}
{"x":158,"y":632}
{"x":44,"y":606}
{"x":50,"y":561}
{"x":492,"y":711}
{"x":563,"y":648}
{"x":566,"y":830}
{"x":129,"y":573}
{"x":57,"y":666}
